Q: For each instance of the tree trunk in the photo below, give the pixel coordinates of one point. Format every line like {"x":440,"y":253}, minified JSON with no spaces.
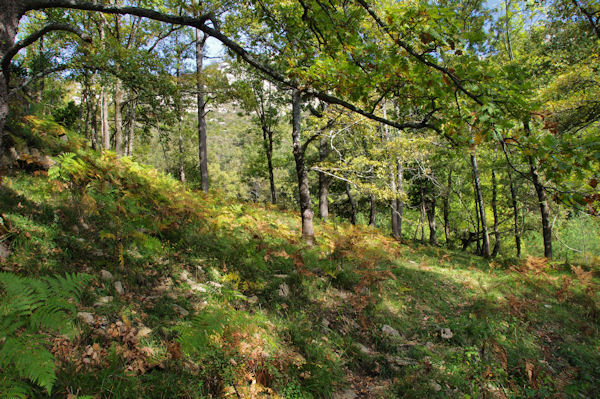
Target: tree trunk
{"x":353,"y":206}
{"x":396,"y":232}
{"x":495,"y":211}
{"x":513,"y":196}
{"x":430,"y":208}
{"x":104,"y":120}
{"x":181,"y":168}
{"x":399,"y":203}
{"x":373,"y":212}
{"x":446,"y":209}
{"x":118,"y":100}
{"x":268,"y":144}
{"x":202,"y":148}
{"x":306,"y":211}
{"x":10,"y":14}
{"x":485,"y":249}
{"x":542,"y":200}
{"x":131,"y":133}
{"x":324,"y":182}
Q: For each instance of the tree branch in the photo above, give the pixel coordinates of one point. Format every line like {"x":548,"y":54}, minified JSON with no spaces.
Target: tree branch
{"x":11,"y":52}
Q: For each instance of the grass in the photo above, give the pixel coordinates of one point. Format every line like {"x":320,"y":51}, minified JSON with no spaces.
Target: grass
{"x":519,"y":328}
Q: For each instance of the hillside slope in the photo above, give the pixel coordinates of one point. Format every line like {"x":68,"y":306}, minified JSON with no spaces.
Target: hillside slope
{"x":193,"y":296}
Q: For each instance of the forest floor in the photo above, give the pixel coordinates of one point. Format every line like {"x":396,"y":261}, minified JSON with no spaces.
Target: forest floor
{"x":198,"y":296}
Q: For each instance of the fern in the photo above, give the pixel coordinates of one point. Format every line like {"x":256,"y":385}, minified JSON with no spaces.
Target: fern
{"x":29,"y":308}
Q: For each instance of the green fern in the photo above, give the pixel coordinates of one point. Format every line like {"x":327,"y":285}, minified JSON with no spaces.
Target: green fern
{"x":29,"y":308}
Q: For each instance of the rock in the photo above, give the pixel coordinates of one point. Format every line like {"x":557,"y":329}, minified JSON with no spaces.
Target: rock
{"x":253,"y":300}
{"x":119,"y":288}
{"x":103,"y":300}
{"x":363,"y":349}
{"x":435,"y":386}
{"x":98,"y":252}
{"x":14,"y":155}
{"x":143,"y":332}
{"x":280,"y":276}
{"x":399,"y":361}
{"x":183,"y":312}
{"x":64,"y":138}
{"x":106,"y":275}
{"x":86,"y":317}
{"x":4,"y":251}
{"x":389,"y":330}
{"x":429,"y":345}
{"x":46,"y":162}
{"x":75,"y":229}
{"x":197,"y":287}
{"x":184,"y":276}
{"x":347,"y":394}
{"x":446,"y":333}
{"x":283,"y":290}
{"x":215,"y":284}
{"x":325,"y":323}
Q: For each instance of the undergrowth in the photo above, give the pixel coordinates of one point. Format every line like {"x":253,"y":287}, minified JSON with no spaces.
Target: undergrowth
{"x":221,"y":299}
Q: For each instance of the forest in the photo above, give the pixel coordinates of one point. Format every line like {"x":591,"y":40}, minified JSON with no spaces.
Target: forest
{"x":299,"y":199}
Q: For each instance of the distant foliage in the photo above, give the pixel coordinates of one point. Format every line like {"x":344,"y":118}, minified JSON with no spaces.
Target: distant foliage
{"x":29,"y":310}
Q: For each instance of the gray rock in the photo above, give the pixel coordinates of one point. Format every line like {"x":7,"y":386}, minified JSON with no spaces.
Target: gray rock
{"x":253,"y":300}
{"x":86,"y":317}
{"x":14,"y":155}
{"x":143,"y":332}
{"x":119,"y":288}
{"x":389,"y":330}
{"x":106,"y":275}
{"x":197,"y":287}
{"x":435,"y":386}
{"x":446,"y":333}
{"x":283,"y":290}
{"x":184,"y":276}
{"x":347,"y":394}
{"x":280,"y":275}
{"x":103,"y":300}
{"x":4,"y":251}
{"x":46,"y":162}
{"x":183,"y":312}
{"x":215,"y":284}
{"x":363,"y":349}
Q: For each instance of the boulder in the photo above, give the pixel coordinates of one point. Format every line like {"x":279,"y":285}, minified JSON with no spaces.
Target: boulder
{"x":119,"y":288}
{"x":106,"y":275}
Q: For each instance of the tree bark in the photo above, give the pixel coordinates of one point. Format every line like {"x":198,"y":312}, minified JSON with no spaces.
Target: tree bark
{"x":542,"y":200}
{"x":446,"y":210}
{"x":495,"y":212}
{"x":306,"y":211}
{"x":353,"y":206}
{"x":399,"y":203}
{"x":324,"y":182}
{"x":373,"y":211}
{"x":430,"y":208}
{"x":118,"y":100}
{"x":202,"y":147}
{"x":10,"y":14}
{"x":394,"y":204}
{"x":513,"y":197}
{"x":268,"y":144}
{"x":131,"y":133}
{"x":485,"y":248}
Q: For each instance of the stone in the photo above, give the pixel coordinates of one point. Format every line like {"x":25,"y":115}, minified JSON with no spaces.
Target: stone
{"x":347,"y":394}
{"x":283,"y":290}
{"x":4,"y":251}
{"x":46,"y":162}
{"x":280,"y":276}
{"x":143,"y":332}
{"x":389,"y":330}
{"x":106,"y":275}
{"x":363,"y":349}
{"x":325,"y":323}
{"x":435,"y":386}
{"x":253,"y":300}
{"x":64,"y":138}
{"x":14,"y":155}
{"x":103,"y":300}
{"x":215,"y":284}
{"x":183,"y":312}
{"x":119,"y":288}
{"x":197,"y":287}
{"x":86,"y":317}
{"x":446,"y":333}
{"x":184,"y":276}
